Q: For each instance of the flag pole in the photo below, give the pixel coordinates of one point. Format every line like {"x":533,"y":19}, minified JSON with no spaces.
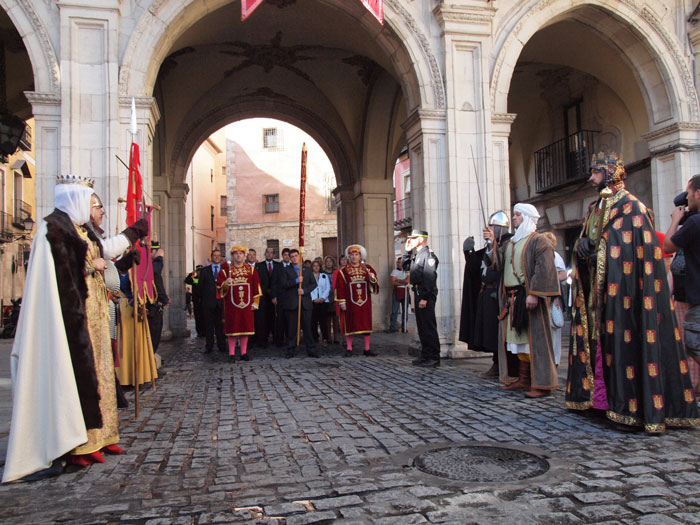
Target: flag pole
{"x":302,"y":216}
{"x":134,"y":279}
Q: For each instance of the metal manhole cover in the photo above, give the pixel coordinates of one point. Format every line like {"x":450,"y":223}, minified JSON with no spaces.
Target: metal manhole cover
{"x":481,"y":464}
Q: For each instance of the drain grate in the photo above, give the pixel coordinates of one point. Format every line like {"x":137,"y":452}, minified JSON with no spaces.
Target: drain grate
{"x":481,"y":464}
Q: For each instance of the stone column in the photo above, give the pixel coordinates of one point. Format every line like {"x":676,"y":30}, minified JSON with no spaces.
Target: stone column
{"x":173,"y":213}
{"x":46,"y":108}
{"x":435,"y":203}
{"x":374,"y":229}
{"x":89,"y":61}
{"x":346,"y":217}
{"x":674,"y":159}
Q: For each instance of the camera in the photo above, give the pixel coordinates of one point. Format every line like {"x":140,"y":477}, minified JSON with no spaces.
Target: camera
{"x":681,"y":200}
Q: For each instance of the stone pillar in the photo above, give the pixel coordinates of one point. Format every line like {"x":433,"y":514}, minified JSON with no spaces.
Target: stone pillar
{"x":436,"y":201}
{"x":374,"y":229}
{"x":46,"y":108}
{"x":674,"y":159}
{"x":89,"y":61}
{"x":346,"y":217}
{"x":498,"y":187}
{"x":174,"y":273}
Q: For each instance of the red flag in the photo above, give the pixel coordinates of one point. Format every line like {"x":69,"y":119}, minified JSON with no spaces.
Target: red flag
{"x":248,"y":6}
{"x":133,"y":192}
{"x":376,"y":7}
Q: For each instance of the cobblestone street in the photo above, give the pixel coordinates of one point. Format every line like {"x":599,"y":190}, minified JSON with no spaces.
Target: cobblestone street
{"x":316,"y":440}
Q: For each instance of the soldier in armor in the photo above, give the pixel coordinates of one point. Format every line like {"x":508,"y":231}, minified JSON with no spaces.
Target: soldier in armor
{"x":422,"y":263}
{"x":479,"y":317}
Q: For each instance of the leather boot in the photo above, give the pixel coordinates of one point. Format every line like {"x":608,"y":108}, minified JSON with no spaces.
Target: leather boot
{"x":491,"y":373}
{"x":523,"y":379}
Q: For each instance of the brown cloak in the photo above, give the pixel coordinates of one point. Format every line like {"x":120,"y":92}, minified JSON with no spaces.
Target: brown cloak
{"x":540,"y":280}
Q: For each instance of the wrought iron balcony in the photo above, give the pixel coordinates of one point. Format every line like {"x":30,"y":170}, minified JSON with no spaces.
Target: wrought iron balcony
{"x":403,"y":211}
{"x":564,"y":162}
{"x":6,"y":230}
{"x":23,"y":211}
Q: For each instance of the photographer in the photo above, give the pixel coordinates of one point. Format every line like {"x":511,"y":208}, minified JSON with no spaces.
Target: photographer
{"x":688,"y":238}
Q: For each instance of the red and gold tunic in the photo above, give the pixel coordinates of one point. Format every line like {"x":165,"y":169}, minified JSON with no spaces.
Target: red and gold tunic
{"x":353,"y":287}
{"x":239,"y":298}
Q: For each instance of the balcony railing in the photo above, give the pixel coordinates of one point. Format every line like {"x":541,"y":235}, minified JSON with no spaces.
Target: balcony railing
{"x":22,"y":212}
{"x":564,"y":162}
{"x":402,"y":214}
{"x":6,"y":230}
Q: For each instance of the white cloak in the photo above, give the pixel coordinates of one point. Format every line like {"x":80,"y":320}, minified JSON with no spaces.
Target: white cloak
{"x":47,"y":419}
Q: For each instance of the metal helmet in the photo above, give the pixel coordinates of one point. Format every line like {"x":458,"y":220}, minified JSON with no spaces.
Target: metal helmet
{"x":499,"y":218}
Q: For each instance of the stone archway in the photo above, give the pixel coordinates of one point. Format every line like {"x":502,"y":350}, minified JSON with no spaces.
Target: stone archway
{"x":396,"y":65}
{"x":45,"y":99}
{"x":658,"y":70}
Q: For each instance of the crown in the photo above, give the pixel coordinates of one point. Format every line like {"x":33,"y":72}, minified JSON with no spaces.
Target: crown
{"x":608,"y":159}
{"x":75,"y":179}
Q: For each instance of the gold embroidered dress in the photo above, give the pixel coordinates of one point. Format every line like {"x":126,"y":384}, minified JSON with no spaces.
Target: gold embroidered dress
{"x":97,"y":312}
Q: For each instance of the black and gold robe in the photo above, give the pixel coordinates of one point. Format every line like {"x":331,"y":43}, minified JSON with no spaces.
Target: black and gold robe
{"x":623,"y":300}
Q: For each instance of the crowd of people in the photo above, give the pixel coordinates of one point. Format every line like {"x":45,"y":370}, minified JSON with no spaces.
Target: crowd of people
{"x":627,"y":360}
{"x":247,"y":303}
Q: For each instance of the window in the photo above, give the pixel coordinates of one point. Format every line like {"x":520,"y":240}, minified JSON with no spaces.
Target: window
{"x":406,"y":182}
{"x":222,"y":249}
{"x":269,"y":138}
{"x":211,"y":218}
{"x":272,"y":139}
{"x":271,"y":203}
{"x":328,"y":186}
{"x":275,"y":245}
{"x":222,"y":206}
{"x":223,"y":171}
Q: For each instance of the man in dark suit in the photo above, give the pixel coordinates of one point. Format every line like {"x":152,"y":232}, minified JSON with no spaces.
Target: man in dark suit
{"x":265,"y":314}
{"x":212,"y":305}
{"x":288,"y":300}
{"x":280,"y":329}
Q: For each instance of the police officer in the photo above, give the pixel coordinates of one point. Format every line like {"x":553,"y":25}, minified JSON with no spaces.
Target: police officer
{"x":422,"y":264}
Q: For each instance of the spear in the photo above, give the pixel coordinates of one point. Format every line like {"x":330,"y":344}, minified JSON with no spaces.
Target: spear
{"x":302,"y":215}
{"x":133,"y":198}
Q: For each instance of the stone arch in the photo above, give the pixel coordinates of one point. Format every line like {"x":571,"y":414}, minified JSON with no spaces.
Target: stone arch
{"x":220,"y":115}
{"x":663,"y":74}
{"x":36,"y":40}
{"x":150,"y":43}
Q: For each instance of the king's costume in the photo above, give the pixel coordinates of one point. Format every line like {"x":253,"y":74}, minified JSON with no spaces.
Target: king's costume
{"x":239,"y":298}
{"x":626,"y":355}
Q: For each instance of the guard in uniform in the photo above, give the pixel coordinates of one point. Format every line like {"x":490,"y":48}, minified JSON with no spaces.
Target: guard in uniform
{"x":422,"y":263}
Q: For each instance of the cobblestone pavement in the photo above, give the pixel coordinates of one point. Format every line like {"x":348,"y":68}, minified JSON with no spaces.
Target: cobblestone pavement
{"x":316,"y":440}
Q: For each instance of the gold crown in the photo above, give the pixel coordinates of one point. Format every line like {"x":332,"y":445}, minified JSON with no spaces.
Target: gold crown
{"x":75,"y":179}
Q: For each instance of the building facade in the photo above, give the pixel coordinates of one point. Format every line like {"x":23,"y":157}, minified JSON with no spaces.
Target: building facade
{"x":503,"y":97}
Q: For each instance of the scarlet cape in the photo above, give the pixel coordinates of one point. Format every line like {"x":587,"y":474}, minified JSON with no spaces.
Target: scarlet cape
{"x":622,"y":300}
{"x":353,"y":287}
{"x":239,"y":298}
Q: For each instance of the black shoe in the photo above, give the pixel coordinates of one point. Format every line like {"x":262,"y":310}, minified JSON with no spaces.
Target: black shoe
{"x":231,"y":358}
{"x":429,"y":363}
{"x":369,"y":353}
{"x":418,"y":361}
{"x":348,"y":353}
{"x":312,"y":353}
{"x":208,"y":350}
{"x":289,"y":353}
{"x":245,"y":357}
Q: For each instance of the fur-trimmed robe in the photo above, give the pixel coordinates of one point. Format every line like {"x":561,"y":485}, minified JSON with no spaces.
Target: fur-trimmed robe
{"x":540,"y":280}
{"x":69,"y":252}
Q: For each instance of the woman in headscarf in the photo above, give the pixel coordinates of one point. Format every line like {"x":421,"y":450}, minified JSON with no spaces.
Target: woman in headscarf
{"x":60,"y":405}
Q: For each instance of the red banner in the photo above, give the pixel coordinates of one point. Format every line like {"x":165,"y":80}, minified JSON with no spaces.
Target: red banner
{"x":376,"y":7}
{"x":248,"y":6}
{"x":133,"y":192}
